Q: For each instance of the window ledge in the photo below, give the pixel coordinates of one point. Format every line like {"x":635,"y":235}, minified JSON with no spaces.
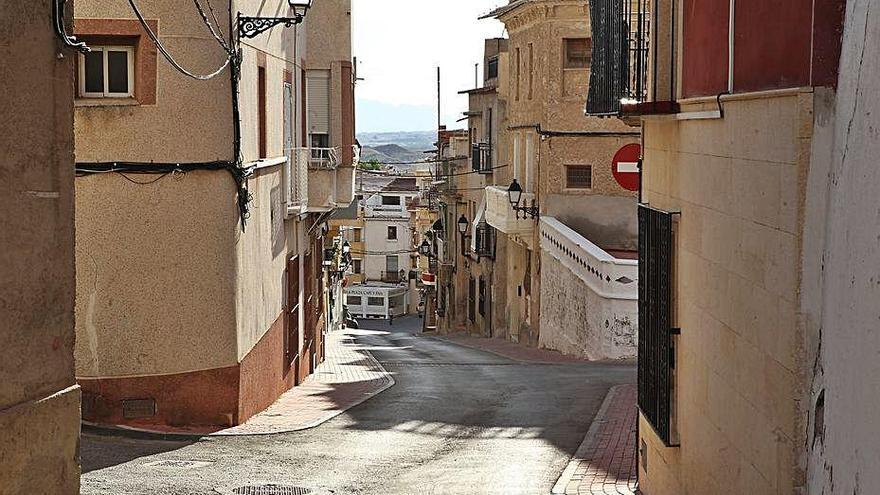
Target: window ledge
{"x":105,"y":102}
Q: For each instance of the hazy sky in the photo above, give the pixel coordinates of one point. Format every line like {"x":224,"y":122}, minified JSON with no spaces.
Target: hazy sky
{"x":399,"y":44}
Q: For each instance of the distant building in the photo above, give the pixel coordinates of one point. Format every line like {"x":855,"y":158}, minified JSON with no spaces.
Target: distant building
{"x":388,"y":235}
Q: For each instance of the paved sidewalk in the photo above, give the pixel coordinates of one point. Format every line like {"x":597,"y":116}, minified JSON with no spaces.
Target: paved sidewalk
{"x":605,"y":463}
{"x":348,"y":377}
{"x":510,"y":350}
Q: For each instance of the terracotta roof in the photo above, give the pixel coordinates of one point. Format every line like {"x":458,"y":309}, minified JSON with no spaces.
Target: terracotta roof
{"x":401,"y":184}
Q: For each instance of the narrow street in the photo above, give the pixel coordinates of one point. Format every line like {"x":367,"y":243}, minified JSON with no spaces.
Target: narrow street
{"x":457,"y":421}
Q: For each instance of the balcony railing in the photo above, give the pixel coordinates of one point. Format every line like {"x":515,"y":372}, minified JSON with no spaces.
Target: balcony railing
{"x":485,"y":241}
{"x":481,"y":157}
{"x":315,"y":180}
{"x":619,"y":71}
{"x":501,"y":215}
{"x":607,"y":276}
{"x":393,"y":277}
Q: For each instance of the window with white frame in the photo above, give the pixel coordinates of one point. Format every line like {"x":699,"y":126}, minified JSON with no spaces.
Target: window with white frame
{"x":107,"y":72}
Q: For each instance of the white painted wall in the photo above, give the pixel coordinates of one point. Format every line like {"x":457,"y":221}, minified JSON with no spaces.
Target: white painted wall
{"x":844,"y":434}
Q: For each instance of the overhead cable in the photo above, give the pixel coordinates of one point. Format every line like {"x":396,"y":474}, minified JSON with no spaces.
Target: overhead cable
{"x":167,"y":55}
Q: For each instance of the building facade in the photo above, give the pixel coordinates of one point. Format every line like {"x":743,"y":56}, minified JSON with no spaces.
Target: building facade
{"x":201,"y":294}
{"x":39,"y":398}
{"x":565,"y":252}
{"x":739,"y":137}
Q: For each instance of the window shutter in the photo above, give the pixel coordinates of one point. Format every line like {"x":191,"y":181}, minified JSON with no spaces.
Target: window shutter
{"x":609,"y":74}
{"x":318,"y":87}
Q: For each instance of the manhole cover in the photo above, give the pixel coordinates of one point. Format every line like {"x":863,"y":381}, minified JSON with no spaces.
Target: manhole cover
{"x":271,"y":490}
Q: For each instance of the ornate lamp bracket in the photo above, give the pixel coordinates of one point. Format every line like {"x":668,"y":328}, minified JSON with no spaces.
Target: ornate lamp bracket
{"x":251,"y":27}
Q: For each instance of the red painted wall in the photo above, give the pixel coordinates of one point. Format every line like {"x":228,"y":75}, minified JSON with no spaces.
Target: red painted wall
{"x":705,"y":47}
{"x":827,"y":39}
{"x":772,"y":44}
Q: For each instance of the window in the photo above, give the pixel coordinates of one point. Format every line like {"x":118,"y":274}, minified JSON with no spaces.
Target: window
{"x":354,"y":300}
{"x":107,"y":72}
{"x":392,"y":233}
{"x":518,"y":62}
{"x":376,"y":301}
{"x":357,"y":235}
{"x":356,"y":266}
{"x":531,"y":69}
{"x":392,"y":265}
{"x":492,"y":68}
{"x":261,"y":112}
{"x":578,"y":53}
{"x":656,"y":340}
{"x":391,"y":200}
{"x":579,"y":176}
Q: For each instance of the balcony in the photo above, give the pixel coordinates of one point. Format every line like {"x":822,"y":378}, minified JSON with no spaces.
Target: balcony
{"x":394,"y":277}
{"x":481,"y":158}
{"x":484,"y":241}
{"x":501,"y":215}
{"x":320,"y":179}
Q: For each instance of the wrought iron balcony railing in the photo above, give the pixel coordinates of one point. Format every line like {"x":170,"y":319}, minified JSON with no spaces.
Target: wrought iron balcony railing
{"x":481,"y":157}
{"x":619,"y":75}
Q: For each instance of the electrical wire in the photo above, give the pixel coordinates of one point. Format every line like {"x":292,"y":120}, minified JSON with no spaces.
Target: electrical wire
{"x":167,"y":55}
{"x":207,"y":22}
{"x":457,"y":174}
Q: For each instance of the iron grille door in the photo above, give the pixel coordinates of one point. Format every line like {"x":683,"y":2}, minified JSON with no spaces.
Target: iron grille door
{"x":655,"y":318}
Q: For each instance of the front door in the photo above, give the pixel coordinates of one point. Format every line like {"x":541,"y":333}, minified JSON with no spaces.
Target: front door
{"x":291,"y":319}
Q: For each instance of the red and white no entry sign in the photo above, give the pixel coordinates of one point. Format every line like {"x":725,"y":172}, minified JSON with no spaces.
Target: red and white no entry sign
{"x":625,"y":166}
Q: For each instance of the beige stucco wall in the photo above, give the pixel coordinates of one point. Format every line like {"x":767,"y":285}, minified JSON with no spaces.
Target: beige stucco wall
{"x":190,"y":120}
{"x":39,"y":402}
{"x":261,"y":253}
{"x":152,"y":296}
{"x":739,"y":183}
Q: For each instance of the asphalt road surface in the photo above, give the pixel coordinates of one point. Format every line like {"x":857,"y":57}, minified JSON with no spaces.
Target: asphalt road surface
{"x":458,"y":421}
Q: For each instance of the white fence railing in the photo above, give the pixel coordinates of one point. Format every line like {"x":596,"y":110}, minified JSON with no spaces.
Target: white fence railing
{"x":607,"y":276}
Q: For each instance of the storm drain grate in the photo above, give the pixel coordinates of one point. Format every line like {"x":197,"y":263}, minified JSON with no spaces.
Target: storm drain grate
{"x":178,"y":464}
{"x":271,"y":490}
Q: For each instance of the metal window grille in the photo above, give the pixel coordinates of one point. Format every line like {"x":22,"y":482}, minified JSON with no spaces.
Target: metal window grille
{"x":579,"y":177}
{"x":655,"y":319}
{"x":620,"y":30}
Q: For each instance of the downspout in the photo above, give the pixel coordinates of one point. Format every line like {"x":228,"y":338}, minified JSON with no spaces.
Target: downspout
{"x":730,"y":45}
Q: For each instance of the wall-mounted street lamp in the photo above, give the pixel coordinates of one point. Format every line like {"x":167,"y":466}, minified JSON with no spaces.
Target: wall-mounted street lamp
{"x":251,"y":27}
{"x":463,"y":225}
{"x":425,"y":249}
{"x":514,"y":193}
{"x":438,"y":227}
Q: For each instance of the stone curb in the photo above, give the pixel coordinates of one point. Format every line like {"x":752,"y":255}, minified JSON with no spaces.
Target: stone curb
{"x":584,"y":448}
{"x":147,"y":434}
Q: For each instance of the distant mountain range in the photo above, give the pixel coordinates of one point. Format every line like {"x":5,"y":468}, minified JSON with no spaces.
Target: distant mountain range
{"x":394,"y":147}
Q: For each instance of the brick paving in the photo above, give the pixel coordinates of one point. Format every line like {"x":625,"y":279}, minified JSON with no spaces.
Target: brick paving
{"x":605,"y":463}
{"x":348,"y":377}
